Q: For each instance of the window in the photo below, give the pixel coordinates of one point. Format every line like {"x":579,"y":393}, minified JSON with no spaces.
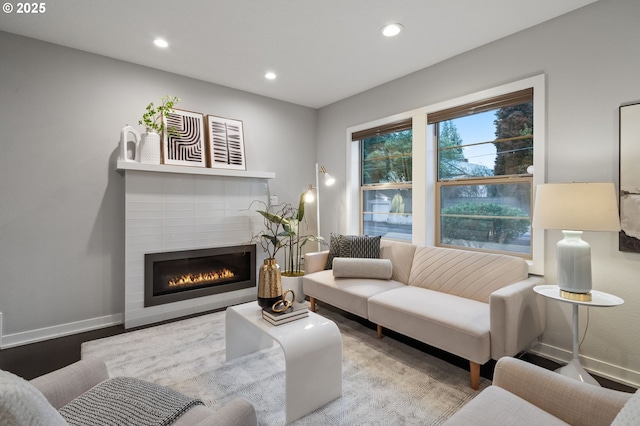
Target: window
{"x":484,"y":181}
{"x":385,"y":180}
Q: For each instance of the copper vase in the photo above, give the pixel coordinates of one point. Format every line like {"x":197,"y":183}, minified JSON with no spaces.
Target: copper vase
{"x":269,"y":284}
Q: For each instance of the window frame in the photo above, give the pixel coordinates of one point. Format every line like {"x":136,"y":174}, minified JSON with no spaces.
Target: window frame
{"x":466,"y":110}
{"x":359,"y":137}
{"x":425,"y":163}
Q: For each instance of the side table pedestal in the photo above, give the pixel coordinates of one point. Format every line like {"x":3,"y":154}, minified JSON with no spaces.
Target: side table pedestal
{"x":598,"y":298}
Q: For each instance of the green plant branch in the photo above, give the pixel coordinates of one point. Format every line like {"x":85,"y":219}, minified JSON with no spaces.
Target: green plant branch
{"x":153,"y":116}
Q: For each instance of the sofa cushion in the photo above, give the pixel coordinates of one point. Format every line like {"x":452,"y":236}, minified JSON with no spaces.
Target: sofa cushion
{"x":463,"y":273}
{"x":21,"y":403}
{"x":348,"y":294}
{"x":455,"y":324}
{"x":361,"y":246}
{"x":344,"y":267}
{"x":496,"y":406}
{"x":401,"y":256}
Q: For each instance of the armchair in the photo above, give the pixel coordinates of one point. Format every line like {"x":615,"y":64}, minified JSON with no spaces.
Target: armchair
{"x":524,"y":394}
{"x":62,"y":386}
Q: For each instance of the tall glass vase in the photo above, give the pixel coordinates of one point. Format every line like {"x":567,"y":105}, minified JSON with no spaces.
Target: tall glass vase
{"x":269,"y":284}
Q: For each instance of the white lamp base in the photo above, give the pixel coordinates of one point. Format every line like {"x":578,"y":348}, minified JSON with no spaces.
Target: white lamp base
{"x":574,"y":263}
{"x":575,"y":371}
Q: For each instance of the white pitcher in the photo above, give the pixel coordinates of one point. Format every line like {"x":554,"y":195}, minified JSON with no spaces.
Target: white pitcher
{"x":124,"y":144}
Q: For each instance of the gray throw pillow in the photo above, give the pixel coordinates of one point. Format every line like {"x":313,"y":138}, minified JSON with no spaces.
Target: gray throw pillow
{"x":360,"y":246}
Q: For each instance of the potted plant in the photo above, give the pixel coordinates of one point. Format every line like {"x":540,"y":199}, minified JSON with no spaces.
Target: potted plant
{"x":282,"y":226}
{"x":153,"y":120}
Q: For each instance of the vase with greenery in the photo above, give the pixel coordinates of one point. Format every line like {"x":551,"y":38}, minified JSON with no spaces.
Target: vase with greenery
{"x":153,"y":120}
{"x":282,"y":231}
{"x":153,"y":117}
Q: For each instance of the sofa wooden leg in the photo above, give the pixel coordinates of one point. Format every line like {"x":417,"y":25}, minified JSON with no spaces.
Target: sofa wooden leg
{"x":312,"y":302}
{"x":475,"y":375}
{"x":379,"y":330}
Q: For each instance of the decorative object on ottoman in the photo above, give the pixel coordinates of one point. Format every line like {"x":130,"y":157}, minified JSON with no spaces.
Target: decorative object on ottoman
{"x":293,"y":312}
{"x":269,"y":284}
{"x":281,"y":230}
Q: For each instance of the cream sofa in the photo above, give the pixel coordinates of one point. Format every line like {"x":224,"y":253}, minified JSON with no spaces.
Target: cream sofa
{"x":37,"y":402}
{"x":527,"y":395}
{"x":474,"y":305}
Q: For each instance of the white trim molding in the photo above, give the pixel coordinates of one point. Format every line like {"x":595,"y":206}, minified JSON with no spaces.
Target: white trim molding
{"x":592,"y":365}
{"x":46,"y":333}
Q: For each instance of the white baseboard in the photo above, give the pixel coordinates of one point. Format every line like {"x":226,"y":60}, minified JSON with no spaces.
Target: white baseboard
{"x":40,"y":334}
{"x":592,"y":365}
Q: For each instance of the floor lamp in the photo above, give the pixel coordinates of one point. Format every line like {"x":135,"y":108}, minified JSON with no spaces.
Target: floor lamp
{"x":328,"y":181}
{"x":573,"y":208}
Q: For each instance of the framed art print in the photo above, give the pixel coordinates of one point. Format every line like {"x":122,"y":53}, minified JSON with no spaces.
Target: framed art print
{"x":183,"y":139}
{"x":630,"y":178}
{"x":226,"y":143}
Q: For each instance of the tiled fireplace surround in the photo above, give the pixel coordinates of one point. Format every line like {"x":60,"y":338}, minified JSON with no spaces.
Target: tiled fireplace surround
{"x":171,"y":211}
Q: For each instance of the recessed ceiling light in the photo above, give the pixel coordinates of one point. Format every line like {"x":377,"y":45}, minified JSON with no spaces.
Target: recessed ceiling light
{"x":160,"y":42}
{"x":270,"y":75}
{"x":391,"y":30}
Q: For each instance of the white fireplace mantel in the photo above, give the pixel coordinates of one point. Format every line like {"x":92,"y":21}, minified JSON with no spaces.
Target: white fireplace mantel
{"x":169,"y":208}
{"x":166,"y":168}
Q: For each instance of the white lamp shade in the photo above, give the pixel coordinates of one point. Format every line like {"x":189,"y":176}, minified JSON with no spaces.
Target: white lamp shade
{"x":576,"y":206}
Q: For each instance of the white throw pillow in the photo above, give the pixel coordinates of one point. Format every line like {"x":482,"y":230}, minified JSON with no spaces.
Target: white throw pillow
{"x":22,"y":404}
{"x":630,"y":413}
{"x":347,"y":267}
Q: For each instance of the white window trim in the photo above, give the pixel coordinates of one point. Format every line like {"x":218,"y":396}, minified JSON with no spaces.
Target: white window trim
{"x":425,"y":154}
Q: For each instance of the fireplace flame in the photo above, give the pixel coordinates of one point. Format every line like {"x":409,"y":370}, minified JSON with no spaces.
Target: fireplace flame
{"x":202,"y":278}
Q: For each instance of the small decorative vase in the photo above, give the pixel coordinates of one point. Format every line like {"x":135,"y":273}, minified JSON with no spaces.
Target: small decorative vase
{"x":150,"y":147}
{"x":269,"y":284}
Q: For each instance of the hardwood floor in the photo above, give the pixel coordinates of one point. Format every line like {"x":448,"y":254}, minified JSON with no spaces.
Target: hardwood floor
{"x":36,"y":359}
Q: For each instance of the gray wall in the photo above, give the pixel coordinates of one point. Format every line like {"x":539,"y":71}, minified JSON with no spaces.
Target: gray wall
{"x":590,"y":58}
{"x":62,"y":201}
{"x":61,"y":211}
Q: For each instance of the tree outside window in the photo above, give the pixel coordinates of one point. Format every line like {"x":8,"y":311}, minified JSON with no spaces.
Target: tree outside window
{"x":386,"y":177}
{"x":484,"y":188}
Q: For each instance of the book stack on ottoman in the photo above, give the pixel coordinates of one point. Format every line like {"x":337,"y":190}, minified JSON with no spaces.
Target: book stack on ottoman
{"x":295,"y":312}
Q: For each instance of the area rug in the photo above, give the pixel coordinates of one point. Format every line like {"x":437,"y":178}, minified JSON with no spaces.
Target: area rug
{"x":385,"y":382}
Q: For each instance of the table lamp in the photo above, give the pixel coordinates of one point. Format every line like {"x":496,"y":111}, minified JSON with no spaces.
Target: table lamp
{"x":573,"y":208}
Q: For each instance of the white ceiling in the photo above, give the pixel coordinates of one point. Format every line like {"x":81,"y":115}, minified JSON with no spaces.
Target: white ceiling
{"x":322,"y":50}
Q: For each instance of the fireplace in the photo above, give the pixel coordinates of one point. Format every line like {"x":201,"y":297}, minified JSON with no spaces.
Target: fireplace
{"x":181,"y":275}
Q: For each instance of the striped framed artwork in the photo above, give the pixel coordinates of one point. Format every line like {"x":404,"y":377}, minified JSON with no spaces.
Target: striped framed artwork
{"x":226,"y":143}
{"x":183,"y":139}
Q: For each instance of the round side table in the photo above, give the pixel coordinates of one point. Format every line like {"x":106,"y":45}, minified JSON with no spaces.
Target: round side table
{"x":599,"y":299}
